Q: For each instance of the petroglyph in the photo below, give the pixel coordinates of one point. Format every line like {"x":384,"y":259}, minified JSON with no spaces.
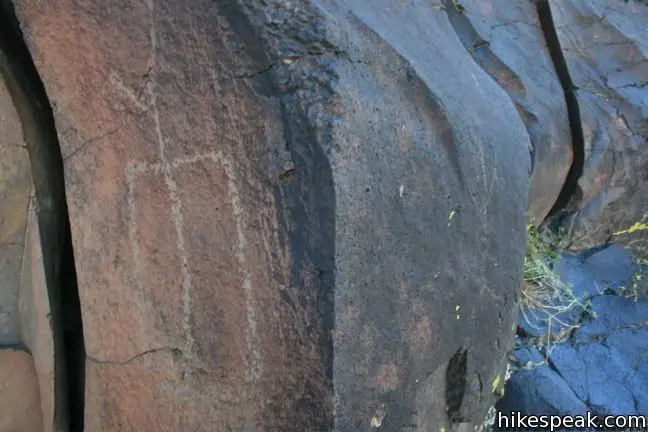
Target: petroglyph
{"x":132,"y":96}
{"x":166,"y":168}
{"x":176,"y":206}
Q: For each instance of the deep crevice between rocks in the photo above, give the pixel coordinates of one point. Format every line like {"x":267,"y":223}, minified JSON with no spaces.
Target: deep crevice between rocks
{"x":570,"y":188}
{"x":35,"y":112}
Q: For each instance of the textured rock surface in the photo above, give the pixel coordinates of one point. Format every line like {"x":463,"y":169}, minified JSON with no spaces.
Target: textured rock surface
{"x":24,"y":302}
{"x":19,"y":399}
{"x":35,"y":324}
{"x":604,"y":44}
{"x":505,"y":37}
{"x":601,"y":366}
{"x":15,"y":185}
{"x":281,"y":210}
{"x":33,"y":205}
{"x":610,"y":269}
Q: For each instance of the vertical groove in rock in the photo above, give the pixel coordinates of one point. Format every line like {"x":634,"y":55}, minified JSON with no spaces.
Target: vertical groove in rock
{"x":571,"y":183}
{"x":32,"y":104}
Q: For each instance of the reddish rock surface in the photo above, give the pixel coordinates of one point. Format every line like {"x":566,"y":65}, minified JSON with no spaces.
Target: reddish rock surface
{"x":278,"y":211}
{"x":174,"y":221}
{"x":20,"y":409}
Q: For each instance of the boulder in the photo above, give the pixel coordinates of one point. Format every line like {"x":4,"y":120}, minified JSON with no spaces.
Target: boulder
{"x":604,"y":45}
{"x":506,"y":39}
{"x":540,"y":391}
{"x":605,"y":363}
{"x":20,"y":378}
{"x":285,"y":216}
{"x":601,"y":365}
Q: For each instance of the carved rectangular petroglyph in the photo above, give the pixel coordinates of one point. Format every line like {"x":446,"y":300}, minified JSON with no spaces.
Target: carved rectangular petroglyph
{"x":196,"y":246}
{"x":169,"y":171}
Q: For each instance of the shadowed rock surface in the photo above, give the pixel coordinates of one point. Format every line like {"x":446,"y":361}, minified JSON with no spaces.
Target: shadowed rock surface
{"x":281,"y":212}
{"x":15,"y":186}
{"x":604,"y":44}
{"x":506,"y":39}
{"x":24,"y":305}
{"x":600,"y":365}
{"x":34,"y":217}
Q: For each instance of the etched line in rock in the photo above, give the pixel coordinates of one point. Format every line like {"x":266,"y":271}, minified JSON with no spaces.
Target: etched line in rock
{"x":166,"y":167}
{"x":176,"y":206}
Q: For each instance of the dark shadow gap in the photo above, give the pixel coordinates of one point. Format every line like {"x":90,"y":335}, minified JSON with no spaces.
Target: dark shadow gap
{"x":35,"y":112}
{"x":456,"y":382}
{"x":570,"y":188}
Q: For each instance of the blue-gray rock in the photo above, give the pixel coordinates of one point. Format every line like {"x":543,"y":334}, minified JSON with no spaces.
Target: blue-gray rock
{"x":528,"y":355}
{"x":589,"y":274}
{"x":604,"y":363}
{"x":612,"y":267}
{"x":540,"y":391}
{"x":611,"y":313}
{"x":603,"y":377}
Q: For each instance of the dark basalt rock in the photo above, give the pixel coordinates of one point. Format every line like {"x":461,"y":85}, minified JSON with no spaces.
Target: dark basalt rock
{"x":506,"y":39}
{"x":604,"y":45}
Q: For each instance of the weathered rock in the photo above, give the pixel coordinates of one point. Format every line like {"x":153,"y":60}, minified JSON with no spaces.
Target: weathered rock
{"x":25,"y":315}
{"x":604,"y":44}
{"x":284,"y":217}
{"x":606,"y":365}
{"x":506,"y":39}
{"x":42,"y":312}
{"x":19,"y":399}
{"x":15,"y":185}
{"x":35,"y":323}
{"x":602,"y":364}
{"x":540,"y":391}
{"x":608,"y":269}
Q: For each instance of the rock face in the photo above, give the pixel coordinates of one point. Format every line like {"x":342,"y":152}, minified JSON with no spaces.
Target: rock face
{"x":20,"y":404}
{"x":35,"y":321}
{"x":600,"y":365}
{"x":310,"y":215}
{"x":27,"y":396}
{"x":33,"y":261}
{"x":507,"y":40}
{"x":604,"y":45}
{"x":19,"y":401}
{"x":285,"y":216}
{"x":15,"y":187}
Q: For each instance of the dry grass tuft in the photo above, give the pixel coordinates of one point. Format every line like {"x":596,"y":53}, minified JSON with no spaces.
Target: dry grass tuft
{"x":544,"y":294}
